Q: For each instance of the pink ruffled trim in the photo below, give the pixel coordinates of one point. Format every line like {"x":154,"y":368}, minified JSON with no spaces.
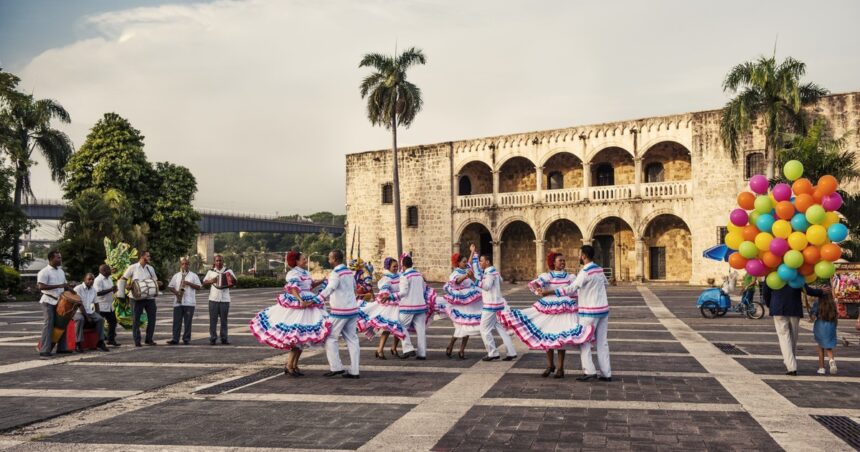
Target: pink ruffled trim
{"x":291,"y":340}
{"x":534,"y":343}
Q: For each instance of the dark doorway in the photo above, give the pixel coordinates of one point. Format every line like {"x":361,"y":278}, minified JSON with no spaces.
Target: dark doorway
{"x":654,"y":172}
{"x":658,"y":262}
{"x":604,"y":175}
{"x":486,"y":245}
{"x":465,"y":187}
{"x":604,"y":253}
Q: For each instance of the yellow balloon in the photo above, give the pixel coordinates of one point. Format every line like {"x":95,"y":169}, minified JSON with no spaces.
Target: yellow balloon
{"x":762,"y":241}
{"x":733,"y":228}
{"x":797,"y":241}
{"x":829,"y":219}
{"x":810,"y":278}
{"x":734,"y":240}
{"x":772,"y":199}
{"x":816,"y":234}
{"x":781,"y":229}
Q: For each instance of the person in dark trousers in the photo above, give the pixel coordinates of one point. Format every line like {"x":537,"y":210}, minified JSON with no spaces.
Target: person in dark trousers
{"x":786,"y":308}
{"x":219,"y":300}
{"x":104,"y":299}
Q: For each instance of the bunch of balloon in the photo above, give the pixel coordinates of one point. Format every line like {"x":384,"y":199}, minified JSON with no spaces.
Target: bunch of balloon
{"x":788,"y":233}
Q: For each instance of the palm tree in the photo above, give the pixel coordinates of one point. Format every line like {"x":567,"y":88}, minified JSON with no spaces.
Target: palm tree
{"x":25,"y":125}
{"x":821,"y":153}
{"x":770,"y":92}
{"x":392,"y":101}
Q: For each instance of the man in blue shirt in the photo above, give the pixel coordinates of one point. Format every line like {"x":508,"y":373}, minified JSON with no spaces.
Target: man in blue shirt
{"x":786,"y":307}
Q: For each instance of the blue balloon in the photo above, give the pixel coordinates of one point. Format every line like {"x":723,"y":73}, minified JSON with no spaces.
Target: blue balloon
{"x":837,"y":232}
{"x":765,"y":222}
{"x":799,"y":222}
{"x":797,"y":283}
{"x":786,"y":273}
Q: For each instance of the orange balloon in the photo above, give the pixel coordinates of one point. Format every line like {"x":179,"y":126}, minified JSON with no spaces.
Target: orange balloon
{"x":785,"y":210}
{"x":750,"y":232}
{"x":806,"y":269}
{"x":746,"y":200}
{"x":771,"y":260}
{"x":802,"y":186}
{"x":737,"y":261}
{"x":803,"y":201}
{"x":811,"y":255}
{"x":831,"y":252}
{"x":818,"y":194}
{"x":827,"y":184}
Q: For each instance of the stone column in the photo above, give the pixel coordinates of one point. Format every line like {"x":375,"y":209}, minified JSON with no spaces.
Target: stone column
{"x":540,"y":252}
{"x":637,"y":177}
{"x":640,"y":259}
{"x":586,"y":179}
{"x":496,"y":187}
{"x":497,"y":255}
{"x":206,"y":247}
{"x":539,"y":184}
{"x":455,"y":189}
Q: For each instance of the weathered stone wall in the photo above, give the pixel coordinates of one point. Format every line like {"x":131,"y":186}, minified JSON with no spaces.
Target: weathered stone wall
{"x":518,"y":252}
{"x":670,"y":232}
{"x":674,"y":157}
{"x":563,"y":236}
{"x":517,"y":174}
{"x":621,"y":162}
{"x":568,"y":165}
{"x":480,"y":175}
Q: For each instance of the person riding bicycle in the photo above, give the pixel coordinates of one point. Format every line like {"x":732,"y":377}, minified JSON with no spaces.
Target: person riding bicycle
{"x":749,"y":283}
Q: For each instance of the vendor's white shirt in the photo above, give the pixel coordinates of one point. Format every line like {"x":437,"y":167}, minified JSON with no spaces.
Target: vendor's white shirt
{"x":189,"y":297}
{"x":51,"y":276}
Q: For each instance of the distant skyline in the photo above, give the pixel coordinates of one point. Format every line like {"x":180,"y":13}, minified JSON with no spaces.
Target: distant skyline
{"x":260,"y":98}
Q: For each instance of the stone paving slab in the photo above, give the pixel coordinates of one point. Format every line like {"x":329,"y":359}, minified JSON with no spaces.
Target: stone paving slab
{"x":99,"y":377}
{"x":191,"y":354}
{"x":518,"y":428}
{"x":619,"y":362}
{"x":644,"y":335}
{"x":407,"y":384}
{"x":630,"y":388}
{"x":17,"y":354}
{"x":803,"y":350}
{"x":242,"y":424}
{"x":19,"y":411}
{"x":819,"y":394}
{"x":434,"y":359}
{"x":804,"y":367}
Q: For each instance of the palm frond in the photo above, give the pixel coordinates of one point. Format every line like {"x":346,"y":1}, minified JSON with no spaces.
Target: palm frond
{"x":412,"y":103}
{"x":738,"y":76}
{"x":381,"y":63}
{"x":370,"y":82}
{"x":57,"y":149}
{"x":53,"y":109}
{"x":737,"y":118}
{"x":410,"y":57}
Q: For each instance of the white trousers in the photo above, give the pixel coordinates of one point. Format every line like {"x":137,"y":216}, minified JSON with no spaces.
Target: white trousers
{"x":419,"y":321}
{"x":345,"y":328}
{"x":490,"y":322}
{"x":787,"y":328}
{"x":601,"y":325}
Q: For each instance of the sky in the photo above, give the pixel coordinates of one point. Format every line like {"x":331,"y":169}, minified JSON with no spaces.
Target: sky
{"x":260,"y":98}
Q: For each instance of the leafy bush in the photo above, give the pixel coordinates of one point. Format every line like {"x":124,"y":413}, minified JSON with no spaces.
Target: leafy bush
{"x":10,"y":279}
{"x":248,"y":282}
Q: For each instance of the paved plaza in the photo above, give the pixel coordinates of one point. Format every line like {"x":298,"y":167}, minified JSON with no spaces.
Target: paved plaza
{"x":672,"y":389}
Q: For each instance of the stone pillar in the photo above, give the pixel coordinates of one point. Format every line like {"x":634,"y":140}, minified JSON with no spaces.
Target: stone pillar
{"x":539,"y":185}
{"x":637,"y":177}
{"x":496,"y":188}
{"x":497,"y":255}
{"x":586,"y":179}
{"x":539,"y":256}
{"x":206,"y":247}
{"x":640,"y":259}
{"x":455,"y":188}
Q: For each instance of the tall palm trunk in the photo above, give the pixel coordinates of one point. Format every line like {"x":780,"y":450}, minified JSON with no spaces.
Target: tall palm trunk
{"x":769,"y":159}
{"x":19,"y":193}
{"x":396,"y":185}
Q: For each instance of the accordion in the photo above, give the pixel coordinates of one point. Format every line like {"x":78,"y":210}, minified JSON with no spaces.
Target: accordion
{"x":225,"y":280}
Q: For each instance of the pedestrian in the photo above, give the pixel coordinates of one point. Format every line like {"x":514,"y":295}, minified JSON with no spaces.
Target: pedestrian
{"x":221,"y":279}
{"x":51,"y":281}
{"x":184,"y":285}
{"x":105,"y":289}
{"x":144,"y":275}
{"x":489,"y":281}
{"x":825,"y":317}
{"x":343,"y":311}
{"x":87,"y":315}
{"x":463,"y":304}
{"x":786,"y":308}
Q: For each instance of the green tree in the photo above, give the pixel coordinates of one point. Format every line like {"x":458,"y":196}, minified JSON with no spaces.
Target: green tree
{"x":25,"y":126}
{"x":112,"y":157}
{"x":821,"y":153}
{"x":392,"y":101}
{"x":174,"y":220}
{"x":88,"y":219}
{"x":13,"y":222}
{"x":769,"y":92}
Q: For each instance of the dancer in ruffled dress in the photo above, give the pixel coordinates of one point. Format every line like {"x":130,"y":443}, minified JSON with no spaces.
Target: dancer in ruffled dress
{"x":552,"y":322}
{"x":298,"y":321}
{"x":383,"y":316}
{"x":462,"y":303}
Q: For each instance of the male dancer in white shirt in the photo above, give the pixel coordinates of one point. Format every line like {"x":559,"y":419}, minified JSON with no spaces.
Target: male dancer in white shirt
{"x":343,"y":310}
{"x":413,"y":309}
{"x":490,"y":283}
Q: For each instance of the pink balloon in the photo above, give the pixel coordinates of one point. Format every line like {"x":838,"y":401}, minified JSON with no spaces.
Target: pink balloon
{"x":739,"y":217}
{"x":759,"y":184}
{"x":756,"y":267}
{"x":779,"y":246}
{"x":831,"y":202}
{"x":782,"y":192}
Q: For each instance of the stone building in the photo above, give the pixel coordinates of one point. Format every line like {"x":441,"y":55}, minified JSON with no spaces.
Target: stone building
{"x":650,"y":194}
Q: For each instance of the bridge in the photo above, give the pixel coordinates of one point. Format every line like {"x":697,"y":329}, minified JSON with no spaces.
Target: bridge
{"x":211,"y":222}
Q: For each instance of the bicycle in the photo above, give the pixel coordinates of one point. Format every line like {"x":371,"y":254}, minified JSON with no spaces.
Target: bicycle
{"x":715,"y":303}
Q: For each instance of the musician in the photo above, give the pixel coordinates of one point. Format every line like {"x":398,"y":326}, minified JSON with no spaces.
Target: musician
{"x":51,"y":281}
{"x":87,"y":315}
{"x":219,"y":299}
{"x":105,"y":289}
{"x":184,"y":285}
{"x":142,"y":271}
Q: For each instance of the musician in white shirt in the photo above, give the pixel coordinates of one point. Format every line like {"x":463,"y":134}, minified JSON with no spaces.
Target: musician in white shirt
{"x":219,"y":300}
{"x":105,"y":289}
{"x":87,"y":315}
{"x":51,"y":281}
{"x":142,"y":271}
{"x":184,"y":285}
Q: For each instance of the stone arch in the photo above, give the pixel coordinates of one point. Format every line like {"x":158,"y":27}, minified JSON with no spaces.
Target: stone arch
{"x":614,"y":241}
{"x":621,"y":162}
{"x":668,"y":248}
{"x":507,"y":221}
{"x":568,"y":165}
{"x":563,"y":236}
{"x":516,"y":174}
{"x":480,"y":177}
{"x":474,"y":231}
{"x":674,"y":156}
{"x":643,"y":222}
{"x":469,"y":222}
{"x":518,"y":251}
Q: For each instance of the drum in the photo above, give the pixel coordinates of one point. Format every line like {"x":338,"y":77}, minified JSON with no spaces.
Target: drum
{"x":67,"y":305}
{"x":144,"y":289}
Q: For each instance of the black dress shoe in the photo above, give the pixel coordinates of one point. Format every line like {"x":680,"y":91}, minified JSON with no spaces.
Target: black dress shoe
{"x":408,"y":355}
{"x":78,"y":348}
{"x":510,"y":358}
{"x":150,"y":343}
{"x":46,"y":354}
{"x":421,"y":358}
{"x":334,"y":373}
{"x":349,"y":375}
{"x":137,"y":344}
{"x":602,"y":378}
{"x":172,"y":342}
{"x":114,"y":343}
{"x":185,"y":343}
{"x":212,"y":341}
{"x":225,"y":342}
{"x":489,"y":358}
{"x":102,"y":347}
{"x":548,"y":371}
{"x":586,"y":377}
{"x":793,"y":373}
{"x":64,"y":352}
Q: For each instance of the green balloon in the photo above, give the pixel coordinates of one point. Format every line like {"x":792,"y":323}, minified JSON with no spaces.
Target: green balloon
{"x":763,"y":204}
{"x":815,"y":214}
{"x":774,"y":281}
{"x":754,"y":217}
{"x":824,"y":269}
{"x":793,"y":259}
{"x":748,"y":250}
{"x":793,"y":170}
